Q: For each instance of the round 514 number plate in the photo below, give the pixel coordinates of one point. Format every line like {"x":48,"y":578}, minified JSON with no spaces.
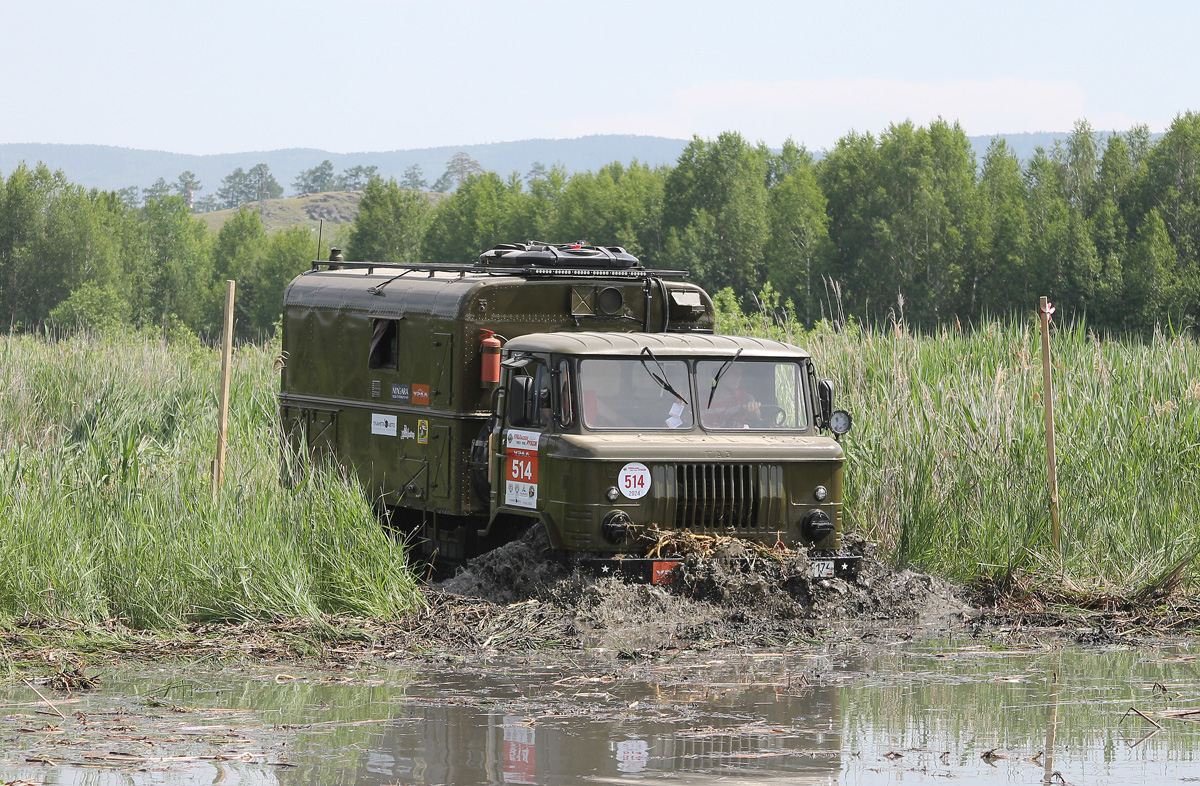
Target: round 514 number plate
{"x":634,"y":480}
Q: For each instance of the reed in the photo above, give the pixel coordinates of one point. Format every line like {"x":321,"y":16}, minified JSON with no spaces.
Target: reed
{"x":946,"y":466}
{"x":108,"y":512}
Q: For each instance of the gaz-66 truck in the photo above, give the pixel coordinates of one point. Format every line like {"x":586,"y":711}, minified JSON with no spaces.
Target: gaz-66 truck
{"x":561,"y":384}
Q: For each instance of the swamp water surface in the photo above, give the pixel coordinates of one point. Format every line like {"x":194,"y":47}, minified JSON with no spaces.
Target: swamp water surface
{"x":915,"y":712}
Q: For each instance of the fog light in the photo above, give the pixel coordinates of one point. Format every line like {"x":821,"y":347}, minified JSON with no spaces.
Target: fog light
{"x":819,"y":493}
{"x":616,"y":526}
{"x":612,"y":494}
{"x":816,"y":526}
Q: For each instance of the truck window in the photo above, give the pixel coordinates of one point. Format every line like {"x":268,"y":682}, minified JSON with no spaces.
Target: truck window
{"x":542,"y":387}
{"x":751,"y":394}
{"x":566,"y":402}
{"x":385,"y":344}
{"x":624,"y":394}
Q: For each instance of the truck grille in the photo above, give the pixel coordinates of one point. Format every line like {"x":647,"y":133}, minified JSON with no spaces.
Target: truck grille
{"x":716,"y":496}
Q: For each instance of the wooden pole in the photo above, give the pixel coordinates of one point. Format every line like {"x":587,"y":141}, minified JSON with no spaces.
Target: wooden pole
{"x":1045,"y":310}
{"x":226,"y":368}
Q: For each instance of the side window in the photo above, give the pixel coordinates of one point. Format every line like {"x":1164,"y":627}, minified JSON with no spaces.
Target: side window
{"x":542,"y":386}
{"x":566,"y":403}
{"x":385,"y":344}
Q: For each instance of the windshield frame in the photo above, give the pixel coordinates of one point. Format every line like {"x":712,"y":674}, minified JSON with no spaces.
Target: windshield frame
{"x":695,"y":388}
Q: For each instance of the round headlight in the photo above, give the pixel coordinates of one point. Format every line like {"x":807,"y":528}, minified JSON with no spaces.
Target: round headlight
{"x":819,"y":493}
{"x":612,"y":494}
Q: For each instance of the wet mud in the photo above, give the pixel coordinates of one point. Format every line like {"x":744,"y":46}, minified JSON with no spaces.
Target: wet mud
{"x":733,"y":596}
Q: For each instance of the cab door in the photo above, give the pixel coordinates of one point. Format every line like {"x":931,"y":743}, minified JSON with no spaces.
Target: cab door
{"x":527,"y":415}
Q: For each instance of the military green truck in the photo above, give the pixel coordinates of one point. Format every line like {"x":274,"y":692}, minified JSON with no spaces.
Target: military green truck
{"x":561,"y":384}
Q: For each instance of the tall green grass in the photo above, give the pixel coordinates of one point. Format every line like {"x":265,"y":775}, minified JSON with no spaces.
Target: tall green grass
{"x":946,"y":464}
{"x":107,"y":510}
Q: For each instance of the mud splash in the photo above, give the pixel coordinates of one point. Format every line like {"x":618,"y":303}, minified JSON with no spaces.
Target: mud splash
{"x":733,"y":597}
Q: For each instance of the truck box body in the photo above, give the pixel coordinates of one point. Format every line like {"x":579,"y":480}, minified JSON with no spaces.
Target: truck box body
{"x":344,"y":389}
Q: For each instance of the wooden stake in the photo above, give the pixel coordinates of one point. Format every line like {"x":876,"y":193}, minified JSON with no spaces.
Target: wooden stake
{"x":1045,"y":311}
{"x":226,"y":370}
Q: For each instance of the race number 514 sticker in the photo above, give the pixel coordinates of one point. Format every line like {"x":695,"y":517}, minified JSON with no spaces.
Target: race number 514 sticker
{"x":521,"y":470}
{"x":634,"y":480}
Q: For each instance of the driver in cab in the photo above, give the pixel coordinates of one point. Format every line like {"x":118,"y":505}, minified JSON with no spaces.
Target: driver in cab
{"x":731,"y":406}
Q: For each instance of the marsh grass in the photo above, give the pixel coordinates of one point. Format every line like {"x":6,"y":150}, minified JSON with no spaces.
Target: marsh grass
{"x":946,"y":464}
{"x":106,"y":446}
{"x":108,"y":514}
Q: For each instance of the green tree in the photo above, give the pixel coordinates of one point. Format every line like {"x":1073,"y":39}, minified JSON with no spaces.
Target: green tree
{"x":907,"y":222}
{"x":1171,"y":184}
{"x":158,"y":190}
{"x":724,"y":180}
{"x":262,"y":183}
{"x":390,"y":225}
{"x":131,"y":196}
{"x":799,"y":240}
{"x":356,"y":178}
{"x":1149,"y":276}
{"x":1065,"y":265}
{"x":458,"y":169}
{"x":207,"y":204}
{"x":1004,"y":281}
{"x":54,"y":237}
{"x":476,"y":217}
{"x":239,"y":242}
{"x":186,"y":186}
{"x":92,"y":307}
{"x":414,"y":179}
{"x":235,"y":189}
{"x":616,"y":205}
{"x":316,"y":180}
{"x":284,"y":256}
{"x":170,"y":279}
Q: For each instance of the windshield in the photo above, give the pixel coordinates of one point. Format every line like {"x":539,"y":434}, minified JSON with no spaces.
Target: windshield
{"x":630,"y":393}
{"x":754,"y":394}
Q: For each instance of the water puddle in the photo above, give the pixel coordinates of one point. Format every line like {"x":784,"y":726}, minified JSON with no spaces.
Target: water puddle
{"x":918,"y":712}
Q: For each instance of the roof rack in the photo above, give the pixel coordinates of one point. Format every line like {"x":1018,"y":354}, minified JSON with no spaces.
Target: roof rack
{"x":538,"y":254}
{"x":531,"y":260}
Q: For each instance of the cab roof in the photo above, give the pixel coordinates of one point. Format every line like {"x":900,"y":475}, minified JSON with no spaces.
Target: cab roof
{"x":661,"y":344}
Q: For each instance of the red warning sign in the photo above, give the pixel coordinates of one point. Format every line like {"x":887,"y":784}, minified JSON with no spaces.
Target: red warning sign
{"x":521,"y":468}
{"x":663,"y":571}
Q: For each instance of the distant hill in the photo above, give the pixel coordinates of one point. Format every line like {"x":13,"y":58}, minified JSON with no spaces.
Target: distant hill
{"x":331,"y":207}
{"x":113,"y":168}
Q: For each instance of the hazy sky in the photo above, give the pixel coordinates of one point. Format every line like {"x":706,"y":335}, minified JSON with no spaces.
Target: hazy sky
{"x":373,"y":75}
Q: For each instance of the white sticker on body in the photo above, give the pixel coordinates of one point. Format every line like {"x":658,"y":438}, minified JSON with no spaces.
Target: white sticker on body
{"x":384,"y":425}
{"x":634,"y":480}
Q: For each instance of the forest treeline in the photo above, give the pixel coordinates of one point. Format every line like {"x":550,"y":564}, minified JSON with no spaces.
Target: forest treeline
{"x":903,"y":225}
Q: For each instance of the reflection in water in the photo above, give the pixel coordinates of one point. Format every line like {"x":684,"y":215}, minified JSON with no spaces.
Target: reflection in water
{"x":1051,"y":732}
{"x":839,"y":715}
{"x":544,"y":734}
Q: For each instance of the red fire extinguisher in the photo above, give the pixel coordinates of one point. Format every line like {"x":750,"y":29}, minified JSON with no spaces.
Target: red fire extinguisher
{"x":490,"y":374}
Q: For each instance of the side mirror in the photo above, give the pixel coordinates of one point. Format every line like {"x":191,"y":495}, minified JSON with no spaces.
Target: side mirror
{"x":520,"y":400}
{"x":825,"y":400}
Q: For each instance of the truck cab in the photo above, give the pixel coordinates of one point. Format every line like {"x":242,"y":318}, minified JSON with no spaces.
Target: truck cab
{"x":604,"y":436}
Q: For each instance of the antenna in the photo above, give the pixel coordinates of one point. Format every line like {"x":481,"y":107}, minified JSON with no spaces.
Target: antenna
{"x":320,"y":229}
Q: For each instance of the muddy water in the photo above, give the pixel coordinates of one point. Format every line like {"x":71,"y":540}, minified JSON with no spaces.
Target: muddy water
{"x":910,"y":712}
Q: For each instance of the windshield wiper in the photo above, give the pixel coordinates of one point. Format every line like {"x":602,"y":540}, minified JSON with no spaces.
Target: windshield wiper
{"x":662,"y":381}
{"x":720,"y":373}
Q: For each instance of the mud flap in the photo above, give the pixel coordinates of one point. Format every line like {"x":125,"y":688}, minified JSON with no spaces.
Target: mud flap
{"x":644,"y":570}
